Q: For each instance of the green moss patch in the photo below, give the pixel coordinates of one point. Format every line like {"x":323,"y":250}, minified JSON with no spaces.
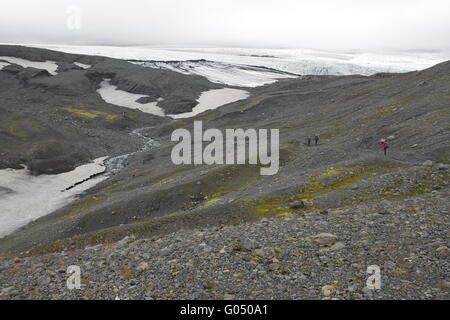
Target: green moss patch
{"x":19,"y":127}
{"x":210,"y":202}
{"x":79,"y":207}
{"x":332,"y":179}
{"x":91,"y":114}
{"x":228,"y":179}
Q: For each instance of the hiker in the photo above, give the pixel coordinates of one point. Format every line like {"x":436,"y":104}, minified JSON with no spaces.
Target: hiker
{"x":309,"y":141}
{"x":316,"y":139}
{"x":384,"y":143}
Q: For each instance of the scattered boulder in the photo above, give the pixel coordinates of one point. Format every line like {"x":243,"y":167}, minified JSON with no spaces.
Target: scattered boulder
{"x":444,"y":285}
{"x":385,"y":207}
{"x":245,"y":245}
{"x":298,"y":204}
{"x":198,"y":198}
{"x":443,"y":251}
{"x":125,"y":241}
{"x":338,"y":246}
{"x":422,"y":83}
{"x":228,"y":296}
{"x":165,"y":252}
{"x":7,"y":291}
{"x":142,"y":266}
{"x":211,"y":286}
{"x":328,"y":290}
{"x":427,"y":163}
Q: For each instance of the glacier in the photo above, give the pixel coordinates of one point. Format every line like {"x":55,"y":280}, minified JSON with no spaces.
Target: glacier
{"x":255,"y":67}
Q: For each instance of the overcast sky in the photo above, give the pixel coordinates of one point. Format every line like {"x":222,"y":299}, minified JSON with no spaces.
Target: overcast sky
{"x":320,"y":24}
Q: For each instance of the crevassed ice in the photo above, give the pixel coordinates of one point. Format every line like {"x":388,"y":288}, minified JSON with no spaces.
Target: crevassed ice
{"x":228,"y":74}
{"x":24,"y":197}
{"x":48,"y":65}
{"x":213,"y":99}
{"x":112,"y":95}
{"x":298,"y":61}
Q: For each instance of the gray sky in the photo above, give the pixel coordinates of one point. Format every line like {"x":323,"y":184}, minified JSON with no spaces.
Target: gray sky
{"x":321,"y":24}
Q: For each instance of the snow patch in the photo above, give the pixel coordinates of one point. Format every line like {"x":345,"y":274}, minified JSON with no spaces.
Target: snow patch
{"x":213,"y":99}
{"x":208,"y":100}
{"x":48,"y":65}
{"x":24,"y":197}
{"x":3,"y":64}
{"x":82,"y":65}
{"x":112,"y":95}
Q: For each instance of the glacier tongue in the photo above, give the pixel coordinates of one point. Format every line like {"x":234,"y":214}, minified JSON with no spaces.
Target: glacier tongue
{"x":224,"y":73}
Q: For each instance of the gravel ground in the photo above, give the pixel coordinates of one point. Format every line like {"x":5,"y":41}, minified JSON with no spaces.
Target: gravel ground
{"x":312,"y":255}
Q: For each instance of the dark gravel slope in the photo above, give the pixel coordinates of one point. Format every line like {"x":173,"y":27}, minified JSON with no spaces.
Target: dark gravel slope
{"x":388,"y":210}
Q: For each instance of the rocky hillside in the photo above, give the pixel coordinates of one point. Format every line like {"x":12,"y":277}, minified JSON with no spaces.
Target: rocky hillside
{"x":54,"y":122}
{"x":305,"y":256}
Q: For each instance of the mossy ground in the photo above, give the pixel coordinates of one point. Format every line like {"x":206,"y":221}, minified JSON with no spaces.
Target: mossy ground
{"x":318,"y":186}
{"x":77,"y":208}
{"x":92,"y":114}
{"x":19,"y":127}
{"x":415,"y":184}
{"x":221,"y":182}
{"x":86,"y":111}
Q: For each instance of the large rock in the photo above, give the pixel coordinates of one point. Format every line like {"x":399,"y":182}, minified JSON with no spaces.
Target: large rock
{"x":7,"y":291}
{"x":338,"y":246}
{"x":427,"y":163}
{"x":325,"y":238}
{"x":299,"y":204}
{"x":245,"y":245}
{"x":328,"y":290}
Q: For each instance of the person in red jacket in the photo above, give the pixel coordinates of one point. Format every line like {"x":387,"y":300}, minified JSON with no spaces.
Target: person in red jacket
{"x":385,"y":144}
